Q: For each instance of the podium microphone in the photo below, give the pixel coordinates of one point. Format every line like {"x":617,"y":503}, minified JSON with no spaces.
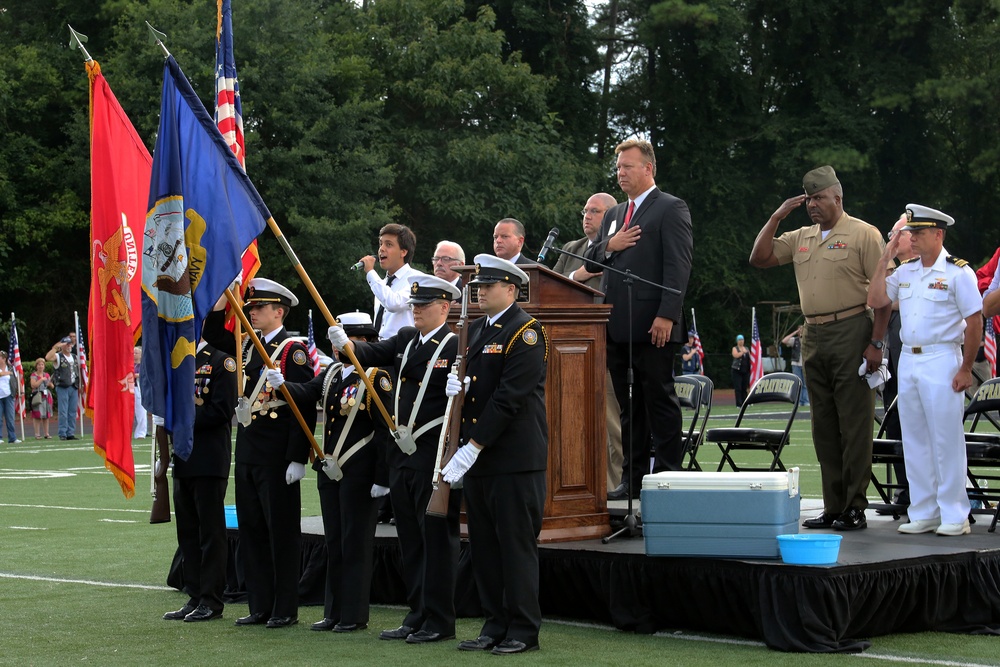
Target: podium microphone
{"x":550,"y":239}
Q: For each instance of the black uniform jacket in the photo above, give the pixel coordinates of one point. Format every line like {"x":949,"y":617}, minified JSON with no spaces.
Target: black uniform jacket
{"x":215,"y":401}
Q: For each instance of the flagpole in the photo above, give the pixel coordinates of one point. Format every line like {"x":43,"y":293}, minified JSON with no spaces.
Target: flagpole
{"x":18,"y":375}
{"x":270,"y":364}
{"x":77,"y":39}
{"x":330,"y":319}
{"x":80,"y":407}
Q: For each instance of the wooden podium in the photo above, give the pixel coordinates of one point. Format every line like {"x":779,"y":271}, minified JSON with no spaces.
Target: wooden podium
{"x":575,"y":322}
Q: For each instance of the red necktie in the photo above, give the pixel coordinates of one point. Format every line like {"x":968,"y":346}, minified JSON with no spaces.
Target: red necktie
{"x":628,"y":215}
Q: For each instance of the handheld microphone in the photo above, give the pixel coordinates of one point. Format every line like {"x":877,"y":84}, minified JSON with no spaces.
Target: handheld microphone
{"x":549,"y":240}
{"x":359,"y":265}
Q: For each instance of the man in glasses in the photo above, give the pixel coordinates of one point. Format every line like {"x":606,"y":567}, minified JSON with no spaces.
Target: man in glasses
{"x":448,"y":255}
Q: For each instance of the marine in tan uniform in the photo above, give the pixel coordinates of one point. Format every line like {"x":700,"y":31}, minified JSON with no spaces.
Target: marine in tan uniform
{"x":835,"y":259}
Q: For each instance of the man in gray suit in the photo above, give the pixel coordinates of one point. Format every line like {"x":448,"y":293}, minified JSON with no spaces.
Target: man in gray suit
{"x":573,"y":268}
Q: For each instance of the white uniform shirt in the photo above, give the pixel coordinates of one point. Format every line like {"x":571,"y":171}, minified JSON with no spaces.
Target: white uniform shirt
{"x":393,"y":299}
{"x":934,"y":301}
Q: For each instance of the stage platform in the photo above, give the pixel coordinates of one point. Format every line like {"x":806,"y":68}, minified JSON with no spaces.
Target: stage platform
{"x":884,"y":582}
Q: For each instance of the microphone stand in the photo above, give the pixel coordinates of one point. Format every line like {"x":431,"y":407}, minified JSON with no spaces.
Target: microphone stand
{"x":630,"y":526}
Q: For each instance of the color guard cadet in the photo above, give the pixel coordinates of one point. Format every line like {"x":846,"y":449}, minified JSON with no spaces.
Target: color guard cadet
{"x":429,"y":545}
{"x":504,"y":458}
{"x":939,"y":310}
{"x":271,"y":453}
{"x":354,"y":477}
{"x":200,"y":487}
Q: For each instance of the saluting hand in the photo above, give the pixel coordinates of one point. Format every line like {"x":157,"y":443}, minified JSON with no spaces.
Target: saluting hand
{"x":788,"y":206}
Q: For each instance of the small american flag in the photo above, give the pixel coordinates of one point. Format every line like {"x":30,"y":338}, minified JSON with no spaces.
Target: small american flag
{"x":697,"y":345}
{"x":311,"y":346}
{"x":81,"y":353}
{"x":14,"y":355}
{"x":990,"y":346}
{"x":756,"y":362}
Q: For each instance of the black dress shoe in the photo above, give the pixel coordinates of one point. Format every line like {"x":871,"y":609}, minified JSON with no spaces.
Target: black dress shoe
{"x":179,"y":614}
{"x":852,"y":519}
{"x":513,"y":646}
{"x":426,"y":637}
{"x":620,"y":492}
{"x":203,"y":613}
{"x":482,"y":643}
{"x":325,"y":624}
{"x":72,"y":437}
{"x":824,"y":520}
{"x":402,"y":632}
{"x":349,"y":627}
{"x":281,"y":621}
{"x":252,"y":619}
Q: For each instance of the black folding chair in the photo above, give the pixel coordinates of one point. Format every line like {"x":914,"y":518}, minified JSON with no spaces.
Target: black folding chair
{"x":696,"y":433}
{"x":887,"y":452}
{"x":689,"y":393}
{"x":982,"y":449}
{"x":772,"y":390}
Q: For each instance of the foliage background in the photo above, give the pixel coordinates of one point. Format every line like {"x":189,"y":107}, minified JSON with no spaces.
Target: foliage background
{"x":448,"y":115}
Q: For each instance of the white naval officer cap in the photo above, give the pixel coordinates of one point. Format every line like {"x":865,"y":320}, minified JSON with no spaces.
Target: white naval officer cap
{"x":357,"y":324}
{"x":493,"y":269}
{"x":425,"y":288}
{"x":925,"y":217}
{"x":262,"y":290}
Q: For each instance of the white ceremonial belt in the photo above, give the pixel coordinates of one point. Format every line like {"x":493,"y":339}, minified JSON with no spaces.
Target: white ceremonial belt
{"x":927,"y":349}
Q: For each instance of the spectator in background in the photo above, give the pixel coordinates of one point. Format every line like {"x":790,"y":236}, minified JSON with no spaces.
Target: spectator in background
{"x":508,"y":241}
{"x":794,"y":341}
{"x":9,"y":391}
{"x":740,"y":370}
{"x":66,"y":375}
{"x":140,"y":423}
{"x":448,"y":255}
{"x":690,"y":359}
{"x":41,"y":399}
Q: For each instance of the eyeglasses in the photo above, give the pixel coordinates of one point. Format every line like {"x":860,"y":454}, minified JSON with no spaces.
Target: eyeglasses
{"x":444,"y":260}
{"x":592,"y":211}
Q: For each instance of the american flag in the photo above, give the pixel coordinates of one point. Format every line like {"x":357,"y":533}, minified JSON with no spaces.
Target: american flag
{"x":311,"y":345}
{"x":756,"y":361}
{"x":990,"y":346}
{"x":14,"y":355}
{"x":81,"y":354}
{"x":229,"y":112}
{"x":697,"y":345}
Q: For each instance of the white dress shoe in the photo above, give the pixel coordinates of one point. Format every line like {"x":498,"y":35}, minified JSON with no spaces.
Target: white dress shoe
{"x":953,"y":529}
{"x":920,"y":526}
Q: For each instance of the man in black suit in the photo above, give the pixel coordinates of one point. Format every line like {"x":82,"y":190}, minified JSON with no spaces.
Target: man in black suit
{"x":352,"y":478}
{"x":503,"y":458}
{"x":649,"y":235}
{"x":271,"y":453}
{"x":508,"y":241}
{"x":421,"y":357}
{"x":200,"y":487}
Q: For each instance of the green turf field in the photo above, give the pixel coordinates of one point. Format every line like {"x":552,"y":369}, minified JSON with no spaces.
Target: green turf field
{"x":82,"y":583}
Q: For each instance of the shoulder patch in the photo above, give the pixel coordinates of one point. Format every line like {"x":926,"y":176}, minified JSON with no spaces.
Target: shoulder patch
{"x":956,"y":261}
{"x":907,"y":261}
{"x":530,"y":336}
{"x":385,"y":384}
{"x":230,"y":364}
{"x":299,"y":357}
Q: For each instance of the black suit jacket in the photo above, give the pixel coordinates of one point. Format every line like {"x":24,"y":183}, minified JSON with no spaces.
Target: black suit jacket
{"x":523,"y":258}
{"x":662,"y":255}
{"x":389,"y":352}
{"x":272,"y":442}
{"x":215,"y":387}
{"x":369,"y":461}
{"x":504,"y":409}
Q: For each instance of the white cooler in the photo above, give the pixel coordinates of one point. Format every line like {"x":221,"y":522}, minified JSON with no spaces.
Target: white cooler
{"x":719,"y":514}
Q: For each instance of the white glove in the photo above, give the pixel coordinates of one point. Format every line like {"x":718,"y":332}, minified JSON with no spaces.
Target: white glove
{"x":295,"y":472}
{"x":460,"y":463}
{"x":379,"y":491}
{"x":157,"y":421}
{"x":876,"y":378}
{"x":453,"y":387}
{"x":338,"y":337}
{"x":274,"y":377}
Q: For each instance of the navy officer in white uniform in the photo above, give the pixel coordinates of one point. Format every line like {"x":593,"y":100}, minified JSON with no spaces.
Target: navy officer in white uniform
{"x":939,"y":309}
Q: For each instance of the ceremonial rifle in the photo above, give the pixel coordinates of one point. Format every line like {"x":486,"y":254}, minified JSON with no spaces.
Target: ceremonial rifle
{"x":449,"y":440}
{"x":161,"y":490}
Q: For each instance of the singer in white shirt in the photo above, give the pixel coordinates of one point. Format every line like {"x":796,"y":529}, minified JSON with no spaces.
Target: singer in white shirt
{"x":396,"y":245}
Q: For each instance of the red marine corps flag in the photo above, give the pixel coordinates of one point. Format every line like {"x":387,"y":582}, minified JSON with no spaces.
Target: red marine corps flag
{"x":119,"y":179}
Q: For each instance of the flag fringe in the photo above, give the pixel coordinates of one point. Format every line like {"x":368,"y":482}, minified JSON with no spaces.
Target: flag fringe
{"x":124,"y":480}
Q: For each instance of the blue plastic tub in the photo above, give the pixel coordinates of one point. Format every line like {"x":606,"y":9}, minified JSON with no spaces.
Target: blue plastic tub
{"x":817,"y":549}
{"x":231,"y":517}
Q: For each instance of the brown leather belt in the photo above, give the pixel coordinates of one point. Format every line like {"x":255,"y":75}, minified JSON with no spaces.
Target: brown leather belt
{"x":834,"y":317}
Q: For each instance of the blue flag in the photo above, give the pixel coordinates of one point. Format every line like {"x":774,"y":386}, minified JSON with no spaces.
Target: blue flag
{"x":203,"y":213}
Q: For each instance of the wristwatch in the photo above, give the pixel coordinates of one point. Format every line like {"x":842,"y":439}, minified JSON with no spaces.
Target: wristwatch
{"x":877,"y":344}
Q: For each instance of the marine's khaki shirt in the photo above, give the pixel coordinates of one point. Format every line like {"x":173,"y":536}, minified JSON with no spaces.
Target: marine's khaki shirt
{"x":833,"y":273}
